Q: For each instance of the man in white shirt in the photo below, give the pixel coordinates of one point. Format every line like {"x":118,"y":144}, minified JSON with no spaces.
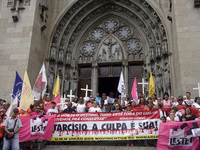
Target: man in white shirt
{"x":52,"y":109}
{"x":188,"y":101}
{"x":95,"y":108}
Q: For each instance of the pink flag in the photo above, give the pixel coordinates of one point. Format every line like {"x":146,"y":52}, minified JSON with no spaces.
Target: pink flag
{"x":56,"y":100}
{"x":36,"y":127}
{"x":134,"y":90}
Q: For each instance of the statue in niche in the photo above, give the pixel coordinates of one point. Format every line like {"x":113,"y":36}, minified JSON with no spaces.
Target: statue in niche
{"x":117,"y":53}
{"x":53,"y":53}
{"x":165,"y":48}
{"x":158,"y":51}
{"x":167,"y":76}
{"x":60,"y":55}
{"x":51,"y":79}
{"x":60,"y":75}
{"x":80,"y":59}
{"x":68,"y":58}
{"x":159,"y":80}
{"x":130,"y":56}
{"x":110,"y":44}
{"x":146,"y":74}
{"x":67,"y":82}
{"x":104,"y":54}
{"x":152,"y":53}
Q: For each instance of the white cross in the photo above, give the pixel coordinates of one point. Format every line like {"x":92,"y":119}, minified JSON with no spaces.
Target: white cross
{"x":62,"y":103}
{"x":70,"y":96}
{"x":86,"y":90}
{"x":143,"y":84}
{"x":197,"y":88}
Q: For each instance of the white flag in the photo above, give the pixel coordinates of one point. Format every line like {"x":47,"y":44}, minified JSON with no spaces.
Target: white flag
{"x":40,"y":84}
{"x":13,"y":105}
{"x":121,"y":86}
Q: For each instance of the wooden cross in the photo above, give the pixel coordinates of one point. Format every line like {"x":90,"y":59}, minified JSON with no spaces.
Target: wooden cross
{"x":198,"y":88}
{"x":70,"y":96}
{"x":86,"y":90}
{"x":143,"y":84}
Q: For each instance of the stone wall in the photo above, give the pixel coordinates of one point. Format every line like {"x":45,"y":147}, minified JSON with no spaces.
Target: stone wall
{"x":15,"y":42}
{"x":187,"y":27}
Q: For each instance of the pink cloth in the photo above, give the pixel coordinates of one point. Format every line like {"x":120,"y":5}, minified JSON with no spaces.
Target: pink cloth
{"x":177,"y":136}
{"x":36,"y":127}
{"x":134,"y":91}
{"x":167,"y":103}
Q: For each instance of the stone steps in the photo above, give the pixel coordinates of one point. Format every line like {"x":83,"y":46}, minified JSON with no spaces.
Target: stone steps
{"x":90,"y":147}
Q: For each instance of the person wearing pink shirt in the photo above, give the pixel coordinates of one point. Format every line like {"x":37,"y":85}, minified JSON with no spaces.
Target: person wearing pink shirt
{"x":166,"y":101}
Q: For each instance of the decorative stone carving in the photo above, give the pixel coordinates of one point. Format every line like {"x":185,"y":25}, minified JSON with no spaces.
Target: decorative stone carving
{"x":97,"y":34}
{"x":159,"y":79}
{"x":60,"y":55}
{"x":10,"y":3}
{"x":139,"y":11}
{"x":67,"y":82}
{"x":74,"y":81}
{"x":158,"y":51}
{"x":165,"y":47}
{"x":110,"y":50}
{"x":51,"y":77}
{"x":196,"y":3}
{"x":167,"y":82}
{"x":27,"y":2}
{"x":133,"y":45}
{"x":53,"y":53}
{"x":124,"y":33}
{"x":111,"y":25}
{"x":152,"y":55}
{"x":88,"y":48}
{"x":68,"y":58}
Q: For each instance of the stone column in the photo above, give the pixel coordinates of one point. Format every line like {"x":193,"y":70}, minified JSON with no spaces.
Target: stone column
{"x":125,"y":73}
{"x":94,"y":79}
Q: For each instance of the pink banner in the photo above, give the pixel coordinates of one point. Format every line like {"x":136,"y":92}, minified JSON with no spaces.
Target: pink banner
{"x":36,"y":127}
{"x":178,"y":136}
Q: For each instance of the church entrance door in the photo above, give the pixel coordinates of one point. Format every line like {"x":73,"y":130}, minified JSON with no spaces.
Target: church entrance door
{"x":108,"y":79}
{"x":108,"y":85}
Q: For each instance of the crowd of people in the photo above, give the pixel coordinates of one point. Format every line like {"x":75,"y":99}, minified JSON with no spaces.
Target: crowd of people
{"x":99,"y":104}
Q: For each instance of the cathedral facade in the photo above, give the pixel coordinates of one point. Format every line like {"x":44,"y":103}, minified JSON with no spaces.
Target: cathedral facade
{"x":89,"y":42}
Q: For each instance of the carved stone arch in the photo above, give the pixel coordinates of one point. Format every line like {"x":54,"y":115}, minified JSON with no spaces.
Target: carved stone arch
{"x":142,"y":14}
{"x":99,"y":19}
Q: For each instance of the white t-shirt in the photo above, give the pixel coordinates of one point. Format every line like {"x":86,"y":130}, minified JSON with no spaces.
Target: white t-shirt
{"x":110,"y":100}
{"x":124,"y":102}
{"x":50,"y":111}
{"x":80,"y":108}
{"x":74,"y":104}
{"x":175,"y":103}
{"x":196,"y":105}
{"x":155,"y":103}
{"x":189,"y":102}
{"x":162,"y":113}
{"x":92,"y":109}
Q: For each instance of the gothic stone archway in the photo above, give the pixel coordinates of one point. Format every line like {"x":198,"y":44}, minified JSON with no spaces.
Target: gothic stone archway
{"x":94,"y":33}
